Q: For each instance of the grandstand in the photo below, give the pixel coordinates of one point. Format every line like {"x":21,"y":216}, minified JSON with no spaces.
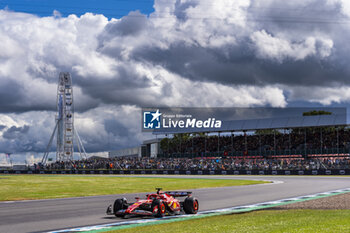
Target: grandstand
{"x":288,"y":137}
{"x":284,"y":137}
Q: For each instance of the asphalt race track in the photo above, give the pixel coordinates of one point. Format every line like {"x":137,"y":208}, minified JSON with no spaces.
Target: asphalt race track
{"x":47,"y":215}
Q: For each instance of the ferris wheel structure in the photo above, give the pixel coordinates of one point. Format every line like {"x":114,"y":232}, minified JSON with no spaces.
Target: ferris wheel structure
{"x":66,"y":133}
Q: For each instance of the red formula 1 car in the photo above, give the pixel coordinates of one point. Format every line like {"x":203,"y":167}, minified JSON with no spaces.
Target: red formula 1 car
{"x":157,"y":204}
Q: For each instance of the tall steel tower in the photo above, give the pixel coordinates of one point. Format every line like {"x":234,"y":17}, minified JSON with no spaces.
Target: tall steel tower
{"x":65,"y":123}
{"x":64,"y":118}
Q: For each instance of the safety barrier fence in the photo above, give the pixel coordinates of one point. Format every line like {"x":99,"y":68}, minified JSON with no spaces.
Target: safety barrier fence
{"x":186,"y":172}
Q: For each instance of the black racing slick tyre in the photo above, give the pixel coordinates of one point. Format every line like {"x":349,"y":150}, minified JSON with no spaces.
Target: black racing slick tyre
{"x":158,"y":208}
{"x":191,"y":205}
{"x":119,"y":204}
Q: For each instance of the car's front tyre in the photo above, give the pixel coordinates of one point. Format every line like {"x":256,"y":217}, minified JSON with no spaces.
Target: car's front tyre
{"x":119,"y":204}
{"x":158,"y":208}
{"x":191,"y":205}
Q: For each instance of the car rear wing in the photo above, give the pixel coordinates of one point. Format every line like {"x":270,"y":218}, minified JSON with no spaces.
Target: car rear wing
{"x":179,"y":193}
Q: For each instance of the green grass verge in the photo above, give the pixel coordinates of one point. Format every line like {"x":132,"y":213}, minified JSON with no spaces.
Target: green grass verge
{"x":25,"y":187}
{"x":258,"y":221}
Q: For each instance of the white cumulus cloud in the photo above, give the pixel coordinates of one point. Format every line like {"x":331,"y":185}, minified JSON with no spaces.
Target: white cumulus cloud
{"x":187,"y":53}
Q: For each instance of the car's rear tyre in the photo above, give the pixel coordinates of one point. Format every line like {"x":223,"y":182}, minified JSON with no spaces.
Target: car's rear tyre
{"x":191,"y":205}
{"x":119,"y":204}
{"x":158,"y":208}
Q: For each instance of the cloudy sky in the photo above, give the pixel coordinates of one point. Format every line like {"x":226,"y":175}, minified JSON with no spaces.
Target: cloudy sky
{"x":128,"y":54}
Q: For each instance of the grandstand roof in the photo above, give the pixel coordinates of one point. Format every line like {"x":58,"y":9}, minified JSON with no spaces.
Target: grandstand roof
{"x":265,"y":123}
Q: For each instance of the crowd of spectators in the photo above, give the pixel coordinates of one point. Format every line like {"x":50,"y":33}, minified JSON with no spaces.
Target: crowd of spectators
{"x":325,"y":138}
{"x":203,"y":164}
{"x":321,"y":139}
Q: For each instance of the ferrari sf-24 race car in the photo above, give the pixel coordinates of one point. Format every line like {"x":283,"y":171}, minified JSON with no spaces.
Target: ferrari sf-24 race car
{"x":156,"y":204}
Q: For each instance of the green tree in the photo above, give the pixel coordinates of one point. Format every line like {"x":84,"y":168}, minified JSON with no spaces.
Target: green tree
{"x":315,"y":113}
{"x":164,"y":144}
